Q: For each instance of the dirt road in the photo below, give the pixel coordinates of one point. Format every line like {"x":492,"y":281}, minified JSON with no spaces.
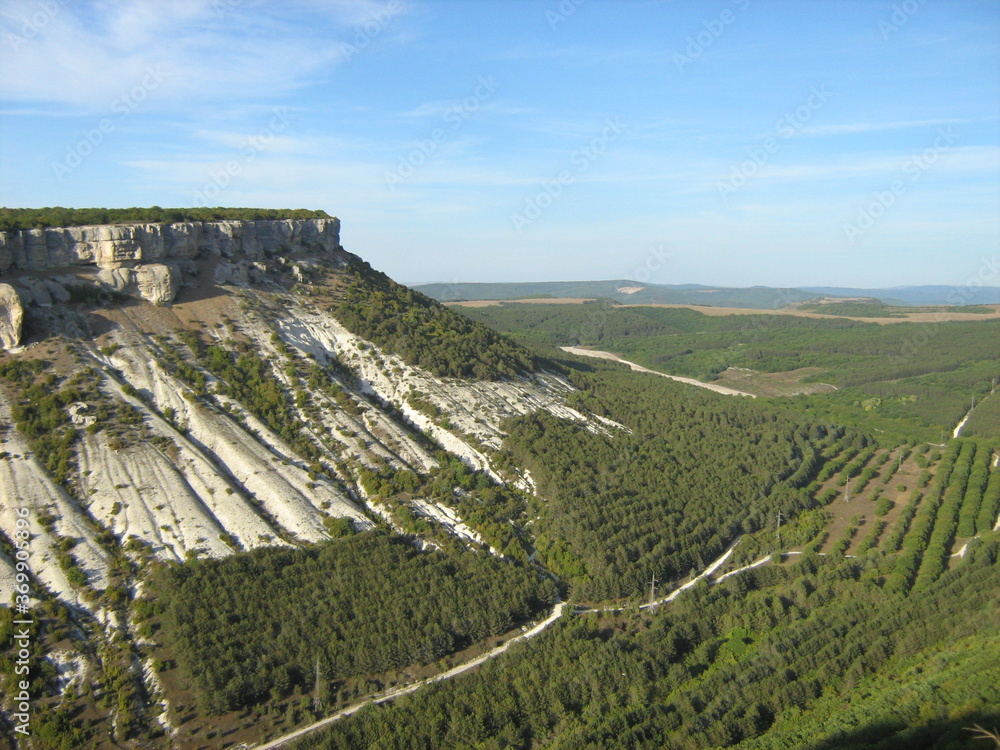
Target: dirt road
{"x":396,"y":692}
{"x":639,"y":368}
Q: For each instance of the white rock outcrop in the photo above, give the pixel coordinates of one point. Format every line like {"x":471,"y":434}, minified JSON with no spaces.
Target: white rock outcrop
{"x":110,"y":246}
{"x":11,"y":317}
{"x":158,"y":283}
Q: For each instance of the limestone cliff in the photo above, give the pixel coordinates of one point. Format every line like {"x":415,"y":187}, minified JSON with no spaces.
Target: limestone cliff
{"x":150,"y":261}
{"x":117,"y":245}
{"x":11,"y":317}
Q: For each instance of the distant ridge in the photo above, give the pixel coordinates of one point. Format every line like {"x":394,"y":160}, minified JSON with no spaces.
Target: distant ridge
{"x":919,"y":295}
{"x":628,"y":291}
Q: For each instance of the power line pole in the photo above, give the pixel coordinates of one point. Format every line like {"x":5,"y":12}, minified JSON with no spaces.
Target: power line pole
{"x":317,"y":701}
{"x":779,"y":529}
{"x":652,"y":588}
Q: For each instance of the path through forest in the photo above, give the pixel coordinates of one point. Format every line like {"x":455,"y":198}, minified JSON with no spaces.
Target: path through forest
{"x":639,"y":368}
{"x":396,"y":692}
{"x":401,"y":690}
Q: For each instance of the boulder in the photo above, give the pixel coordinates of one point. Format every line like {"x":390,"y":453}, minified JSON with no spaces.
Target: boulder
{"x":158,"y":282}
{"x":34,"y":291}
{"x":80,"y":414}
{"x":11,"y":317}
{"x":232,"y":273}
{"x":57,"y":291}
{"x":116,"y":279}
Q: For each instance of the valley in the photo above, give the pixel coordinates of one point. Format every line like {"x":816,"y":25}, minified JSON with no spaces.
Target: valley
{"x":284,"y":501}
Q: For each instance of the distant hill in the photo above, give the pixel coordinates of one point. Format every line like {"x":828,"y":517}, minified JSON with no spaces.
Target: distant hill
{"x":918,"y":295}
{"x":758,"y":297}
{"x":624,"y":291}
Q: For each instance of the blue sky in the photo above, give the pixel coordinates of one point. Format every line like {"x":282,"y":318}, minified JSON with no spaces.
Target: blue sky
{"x":733,"y":142}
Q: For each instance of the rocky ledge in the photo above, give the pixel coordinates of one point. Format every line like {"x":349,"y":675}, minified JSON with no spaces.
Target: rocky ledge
{"x":44,"y":266}
{"x":111,"y":246}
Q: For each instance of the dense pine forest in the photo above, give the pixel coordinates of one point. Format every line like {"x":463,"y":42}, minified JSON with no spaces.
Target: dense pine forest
{"x":424,"y":332}
{"x":692,"y":473}
{"x":257,"y":625}
{"x":811,"y":654}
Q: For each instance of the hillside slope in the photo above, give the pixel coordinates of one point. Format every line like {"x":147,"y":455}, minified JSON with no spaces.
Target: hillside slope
{"x":243,"y":415}
{"x":247,"y":481}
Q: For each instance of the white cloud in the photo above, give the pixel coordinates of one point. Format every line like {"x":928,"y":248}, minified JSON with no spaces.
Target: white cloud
{"x":867,"y":127}
{"x":87,"y":55}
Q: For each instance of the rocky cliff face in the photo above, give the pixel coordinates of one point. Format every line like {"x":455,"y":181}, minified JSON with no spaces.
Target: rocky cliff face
{"x":144,"y":260}
{"x":118,"y":245}
{"x":11,"y":316}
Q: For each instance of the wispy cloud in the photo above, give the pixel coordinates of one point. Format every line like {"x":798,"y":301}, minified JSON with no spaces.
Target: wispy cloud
{"x":439,"y":109}
{"x":867,"y":127}
{"x":87,"y":55}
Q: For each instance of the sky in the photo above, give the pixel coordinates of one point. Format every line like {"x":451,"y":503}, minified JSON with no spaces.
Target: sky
{"x":721,"y":142}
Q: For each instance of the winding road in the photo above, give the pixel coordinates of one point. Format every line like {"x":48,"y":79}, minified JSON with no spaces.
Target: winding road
{"x":554,"y":615}
{"x":401,"y":690}
{"x":639,"y":368}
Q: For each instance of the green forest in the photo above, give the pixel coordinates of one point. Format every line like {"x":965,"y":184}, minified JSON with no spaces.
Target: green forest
{"x":57,"y":216}
{"x":904,"y":379}
{"x":422,"y":331}
{"x":815,"y":654}
{"x":689,"y":475}
{"x":252,"y":626}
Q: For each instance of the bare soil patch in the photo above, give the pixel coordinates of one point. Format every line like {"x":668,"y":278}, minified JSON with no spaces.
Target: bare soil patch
{"x":529,"y":301}
{"x":864,"y":503}
{"x":774,"y":383}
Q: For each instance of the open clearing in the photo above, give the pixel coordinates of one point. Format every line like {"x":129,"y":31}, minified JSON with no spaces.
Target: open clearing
{"x":920,"y":317}
{"x":527,"y":301}
{"x":788,"y":383}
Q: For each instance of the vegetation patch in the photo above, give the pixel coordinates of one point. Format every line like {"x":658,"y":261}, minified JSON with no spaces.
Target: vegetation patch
{"x":242,"y":630}
{"x":424,"y":332}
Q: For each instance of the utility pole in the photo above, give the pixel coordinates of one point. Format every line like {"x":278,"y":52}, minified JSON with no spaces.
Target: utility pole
{"x":652,"y":588}
{"x":779,"y":530}
{"x":317,"y":701}
{"x":847,"y":492}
